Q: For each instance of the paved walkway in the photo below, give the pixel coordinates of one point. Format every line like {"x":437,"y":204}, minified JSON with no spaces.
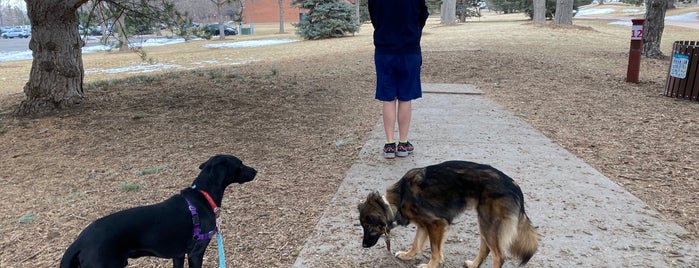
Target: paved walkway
{"x":583,"y":219}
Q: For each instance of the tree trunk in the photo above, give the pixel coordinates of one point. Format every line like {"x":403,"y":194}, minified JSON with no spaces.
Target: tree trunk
{"x":539,"y":11}
{"x":219,"y":14}
{"x":56,"y":76}
{"x":120,"y":27}
{"x":653,"y":28}
{"x":564,"y":12}
{"x":357,"y":13}
{"x":448,"y":12}
{"x":281,"y":16}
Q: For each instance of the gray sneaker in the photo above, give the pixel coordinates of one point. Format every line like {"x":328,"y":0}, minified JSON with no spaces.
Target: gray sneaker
{"x":404,"y":149}
{"x":389,"y":150}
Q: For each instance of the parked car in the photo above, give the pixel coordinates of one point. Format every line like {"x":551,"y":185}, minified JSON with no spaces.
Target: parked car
{"x":15,"y":33}
{"x":214,"y":30}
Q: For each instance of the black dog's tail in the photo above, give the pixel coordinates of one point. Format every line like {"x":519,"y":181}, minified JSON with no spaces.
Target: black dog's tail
{"x":70,"y":258}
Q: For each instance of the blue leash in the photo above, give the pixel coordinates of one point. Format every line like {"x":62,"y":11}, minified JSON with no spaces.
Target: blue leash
{"x":221,"y":254}
{"x":219,"y":237}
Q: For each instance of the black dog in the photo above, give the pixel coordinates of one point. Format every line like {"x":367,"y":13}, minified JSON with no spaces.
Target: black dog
{"x":183,"y":224}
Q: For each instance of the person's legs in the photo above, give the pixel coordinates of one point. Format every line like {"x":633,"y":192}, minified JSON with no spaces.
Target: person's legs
{"x":386,"y":91}
{"x":389,"y":119}
{"x":410,"y":89}
{"x":389,"y":126}
{"x":404,"y":117}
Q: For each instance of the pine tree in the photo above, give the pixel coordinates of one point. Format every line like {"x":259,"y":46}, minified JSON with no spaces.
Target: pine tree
{"x":325,"y":19}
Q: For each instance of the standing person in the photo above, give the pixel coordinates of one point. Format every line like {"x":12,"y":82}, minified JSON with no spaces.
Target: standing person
{"x":397,"y":31}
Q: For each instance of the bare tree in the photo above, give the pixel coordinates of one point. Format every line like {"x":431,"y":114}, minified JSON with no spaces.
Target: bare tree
{"x":539,"y":11}
{"x":195,"y":8}
{"x":653,"y":28}
{"x":448,"y":12}
{"x":357,"y":4}
{"x":120,"y":31}
{"x":56,"y":75}
{"x":219,"y":13}
{"x":281,"y":16}
{"x":11,"y":15}
{"x":564,"y":12}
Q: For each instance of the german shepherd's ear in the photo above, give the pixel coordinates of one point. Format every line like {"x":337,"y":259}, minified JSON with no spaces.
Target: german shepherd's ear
{"x":375,"y":195}
{"x":400,"y":220}
{"x":362,"y":203}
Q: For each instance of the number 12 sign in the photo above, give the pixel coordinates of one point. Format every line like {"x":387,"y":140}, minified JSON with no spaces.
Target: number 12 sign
{"x":637,"y":32}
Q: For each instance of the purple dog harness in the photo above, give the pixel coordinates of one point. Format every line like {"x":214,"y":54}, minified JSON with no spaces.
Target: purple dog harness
{"x":197,"y":225}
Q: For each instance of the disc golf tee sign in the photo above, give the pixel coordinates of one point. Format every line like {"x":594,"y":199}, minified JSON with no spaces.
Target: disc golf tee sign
{"x":637,"y":31}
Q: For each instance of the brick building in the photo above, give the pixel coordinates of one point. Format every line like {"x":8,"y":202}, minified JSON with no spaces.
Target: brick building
{"x":267,"y":11}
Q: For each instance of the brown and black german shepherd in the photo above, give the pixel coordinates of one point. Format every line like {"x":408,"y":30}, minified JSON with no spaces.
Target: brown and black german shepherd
{"x":431,"y":197}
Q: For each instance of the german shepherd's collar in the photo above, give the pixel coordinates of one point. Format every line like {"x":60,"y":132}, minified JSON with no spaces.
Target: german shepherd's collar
{"x":391,"y":217}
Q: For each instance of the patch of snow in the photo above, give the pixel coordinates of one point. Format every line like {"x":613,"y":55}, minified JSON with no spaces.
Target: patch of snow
{"x":252,"y":43}
{"x":143,"y":68}
{"x":15,"y":55}
{"x":147,"y":68}
{"x":628,"y":10}
{"x":593,"y":11}
{"x":690,"y":17}
{"x":152,"y":42}
{"x":622,"y":22}
{"x":27,"y":54}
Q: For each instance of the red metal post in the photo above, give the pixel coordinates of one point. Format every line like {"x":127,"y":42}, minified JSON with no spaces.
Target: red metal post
{"x":635,"y":50}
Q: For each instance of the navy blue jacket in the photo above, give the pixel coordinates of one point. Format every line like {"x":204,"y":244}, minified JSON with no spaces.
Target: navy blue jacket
{"x":397,"y":25}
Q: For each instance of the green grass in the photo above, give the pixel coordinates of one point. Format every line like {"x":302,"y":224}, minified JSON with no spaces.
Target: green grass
{"x":149,"y":171}
{"x":349,"y":140}
{"x":138,"y":79}
{"x":139,"y":115}
{"x":130,"y":187}
{"x":73,"y":196}
{"x":28,"y":217}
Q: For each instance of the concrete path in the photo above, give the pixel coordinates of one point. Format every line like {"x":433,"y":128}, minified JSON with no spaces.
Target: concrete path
{"x":583,"y":218}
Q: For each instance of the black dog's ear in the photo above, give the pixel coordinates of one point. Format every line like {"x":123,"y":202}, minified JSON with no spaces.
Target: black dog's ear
{"x":213,"y":161}
{"x":210,"y":161}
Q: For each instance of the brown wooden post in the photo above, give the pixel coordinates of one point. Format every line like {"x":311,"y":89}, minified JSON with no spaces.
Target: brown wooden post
{"x":635,"y":50}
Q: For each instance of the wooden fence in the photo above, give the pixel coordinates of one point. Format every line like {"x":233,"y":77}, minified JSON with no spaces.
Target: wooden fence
{"x":683,"y":75}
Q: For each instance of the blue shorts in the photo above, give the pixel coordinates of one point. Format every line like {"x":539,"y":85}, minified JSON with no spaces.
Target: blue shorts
{"x":398,"y":76}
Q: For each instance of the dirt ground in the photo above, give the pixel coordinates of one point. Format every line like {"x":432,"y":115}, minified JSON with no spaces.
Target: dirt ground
{"x":301,"y":122}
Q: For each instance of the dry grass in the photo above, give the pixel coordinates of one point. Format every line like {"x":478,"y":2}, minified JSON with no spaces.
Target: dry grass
{"x":284,"y":111}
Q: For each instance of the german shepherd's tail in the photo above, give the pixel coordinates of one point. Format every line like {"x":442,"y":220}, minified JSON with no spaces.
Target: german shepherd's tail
{"x":524,"y":243}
